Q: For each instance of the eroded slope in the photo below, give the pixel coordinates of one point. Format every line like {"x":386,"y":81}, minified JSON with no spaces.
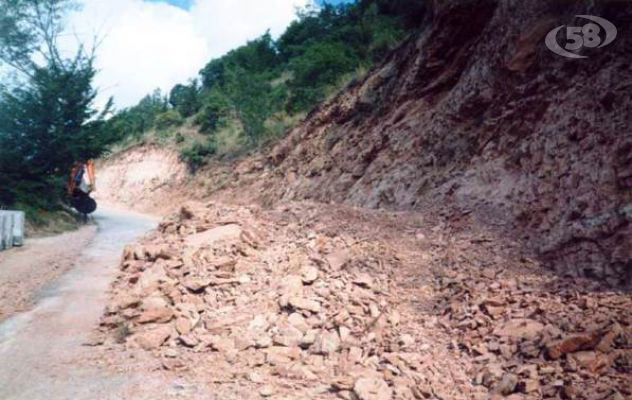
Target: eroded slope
{"x":476,"y":115}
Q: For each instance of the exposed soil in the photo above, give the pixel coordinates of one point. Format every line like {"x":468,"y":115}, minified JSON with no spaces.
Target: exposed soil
{"x":25,"y":271}
{"x":144,"y":179}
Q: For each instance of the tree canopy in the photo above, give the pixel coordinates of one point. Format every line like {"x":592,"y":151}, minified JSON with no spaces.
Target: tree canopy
{"x":47,"y":119}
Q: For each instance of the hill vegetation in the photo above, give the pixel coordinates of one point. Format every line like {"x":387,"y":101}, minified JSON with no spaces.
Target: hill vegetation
{"x":256,"y":92}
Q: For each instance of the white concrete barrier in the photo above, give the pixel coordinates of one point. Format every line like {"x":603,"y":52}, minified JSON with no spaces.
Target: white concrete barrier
{"x":3,"y":236}
{"x":18,"y":228}
{"x":11,"y":229}
{"x":6,"y":230}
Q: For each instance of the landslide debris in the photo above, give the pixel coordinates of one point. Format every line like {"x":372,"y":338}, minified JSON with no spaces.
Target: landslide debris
{"x":275,"y":304}
{"x":309,"y":301}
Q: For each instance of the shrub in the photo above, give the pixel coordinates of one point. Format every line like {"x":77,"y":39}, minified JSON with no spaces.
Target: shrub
{"x":168,"y":119}
{"x":197,"y":154}
{"x":213,"y":113}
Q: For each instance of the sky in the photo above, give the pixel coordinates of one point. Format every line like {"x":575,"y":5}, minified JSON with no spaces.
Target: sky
{"x":149,"y":44}
{"x":186,"y":4}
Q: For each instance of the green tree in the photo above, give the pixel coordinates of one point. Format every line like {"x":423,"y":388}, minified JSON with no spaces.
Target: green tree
{"x":185,"y":98}
{"x":214,"y":111}
{"x":47,"y":121}
{"x":320,"y":65}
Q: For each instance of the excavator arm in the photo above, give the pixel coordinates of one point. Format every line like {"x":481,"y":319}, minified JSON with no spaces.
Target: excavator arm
{"x":91,"y":174}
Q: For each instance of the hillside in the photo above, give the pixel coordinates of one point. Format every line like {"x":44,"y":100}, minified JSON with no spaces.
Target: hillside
{"x":427,"y":233}
{"x":479,"y":123}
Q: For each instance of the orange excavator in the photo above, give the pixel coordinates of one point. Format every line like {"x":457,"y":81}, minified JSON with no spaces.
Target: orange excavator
{"x":82,"y":182}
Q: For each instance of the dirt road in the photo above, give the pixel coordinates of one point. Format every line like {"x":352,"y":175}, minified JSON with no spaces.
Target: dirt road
{"x":25,"y":271}
{"x":43,"y":349}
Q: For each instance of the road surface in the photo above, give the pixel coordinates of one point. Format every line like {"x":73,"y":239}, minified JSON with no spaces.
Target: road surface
{"x":41,"y":351}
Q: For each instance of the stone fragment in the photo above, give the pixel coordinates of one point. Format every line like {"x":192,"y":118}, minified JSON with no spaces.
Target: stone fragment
{"x":259,"y":323}
{"x":606,"y":342}
{"x":267,"y":391}
{"x":124,"y":301}
{"x":591,"y":360}
{"x":155,"y":252}
{"x":183,"y":325}
{"x":507,"y":385}
{"x":520,"y":328}
{"x":309,"y":338}
{"x":355,"y":355}
{"x":189,"y":340}
{"x":571,"y":344}
{"x":187,"y":319}
{"x":171,"y":364}
{"x":212,"y":236}
{"x":309,"y":274}
{"x":170,"y":353}
{"x":301,"y":303}
{"x":276,"y":355}
{"x":298,"y":322}
{"x":363,"y":280}
{"x":530,"y":386}
{"x":263,"y":340}
{"x":326,"y":343}
{"x":287,"y":335}
{"x":292,"y":285}
{"x":222,"y":344}
{"x":372,"y":389}
{"x":255,"y":377}
{"x":226,"y":264}
{"x":345,"y":334}
{"x":196,"y":284}
{"x":338,"y":259}
{"x":153,"y":339}
{"x":406,"y":341}
{"x":155,"y":309}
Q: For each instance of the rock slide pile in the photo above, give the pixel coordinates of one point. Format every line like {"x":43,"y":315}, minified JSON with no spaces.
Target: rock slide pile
{"x":313,"y":301}
{"x":287,"y":310}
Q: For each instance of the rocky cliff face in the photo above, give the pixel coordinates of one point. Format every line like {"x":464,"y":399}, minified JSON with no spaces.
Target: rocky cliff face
{"x":476,"y":116}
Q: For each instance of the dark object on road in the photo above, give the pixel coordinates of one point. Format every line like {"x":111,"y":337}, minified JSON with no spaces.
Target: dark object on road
{"x":83,"y":203}
{"x":80,"y":184}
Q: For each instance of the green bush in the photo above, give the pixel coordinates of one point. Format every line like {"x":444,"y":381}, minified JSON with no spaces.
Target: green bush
{"x":214,"y":112}
{"x":196,"y":155}
{"x":168,"y":119}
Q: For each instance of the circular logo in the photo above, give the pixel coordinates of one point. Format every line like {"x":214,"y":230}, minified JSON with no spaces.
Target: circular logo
{"x":582,"y":36}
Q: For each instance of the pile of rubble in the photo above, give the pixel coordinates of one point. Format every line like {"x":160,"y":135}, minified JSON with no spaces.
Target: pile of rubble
{"x":535,"y":335}
{"x":314,"y":301}
{"x":277,"y":306}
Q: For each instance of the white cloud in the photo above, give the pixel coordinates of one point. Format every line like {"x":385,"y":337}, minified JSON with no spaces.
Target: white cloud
{"x":228,"y":24}
{"x":148,"y":45}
